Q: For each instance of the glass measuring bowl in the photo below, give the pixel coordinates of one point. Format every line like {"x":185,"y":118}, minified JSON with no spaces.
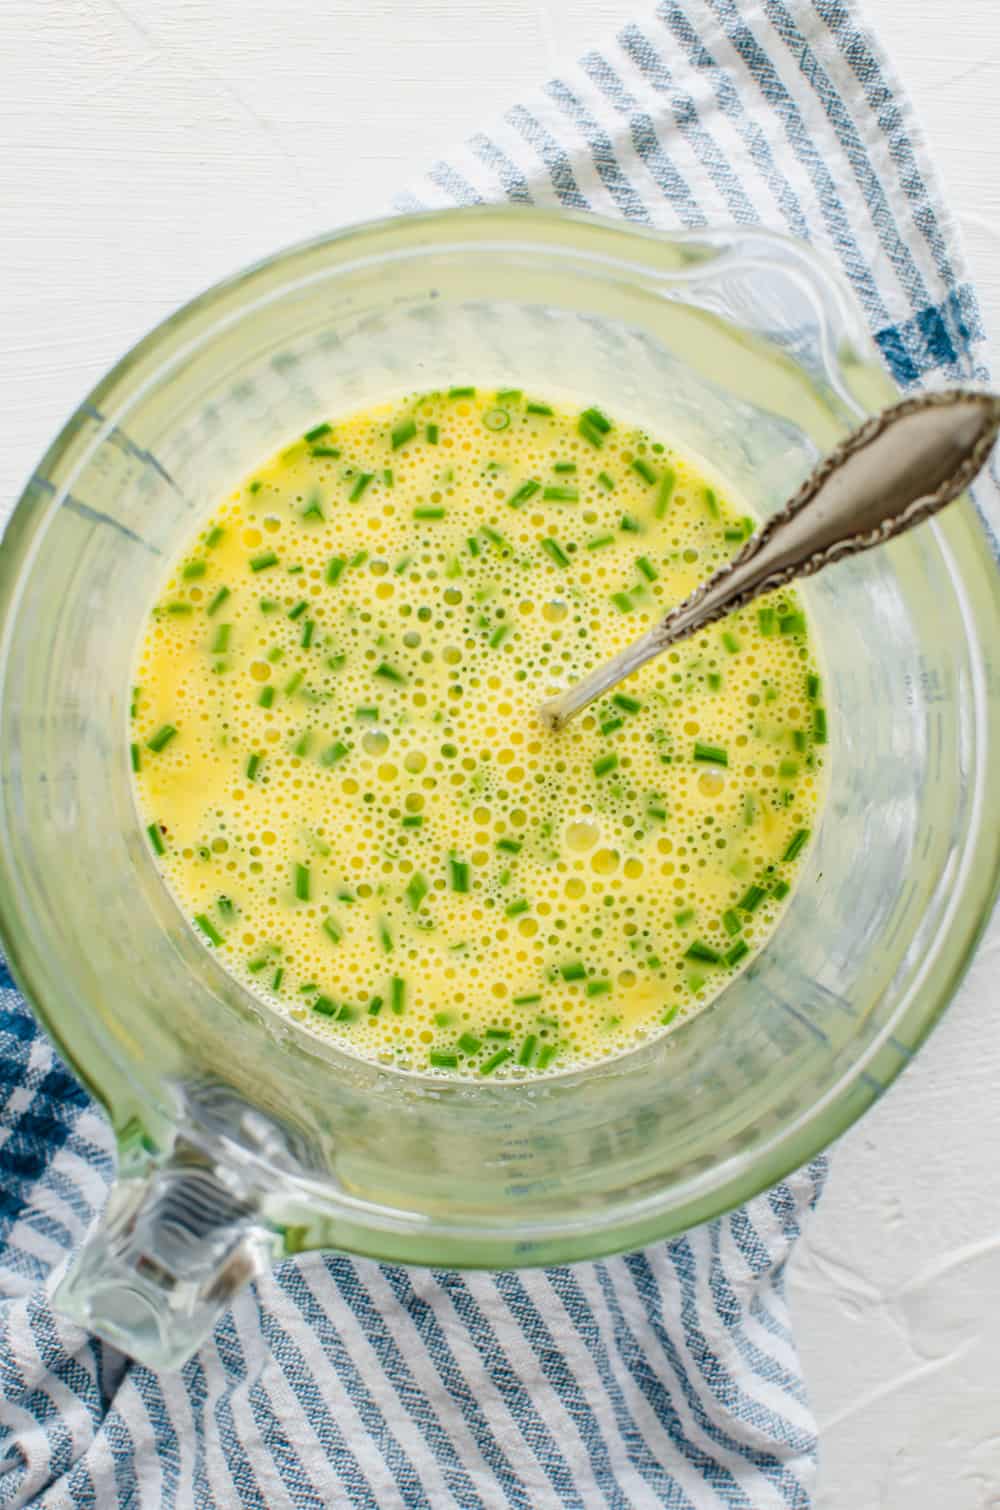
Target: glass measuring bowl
{"x":242,"y":1139}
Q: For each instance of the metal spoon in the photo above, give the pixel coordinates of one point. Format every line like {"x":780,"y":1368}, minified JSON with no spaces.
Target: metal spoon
{"x":900,"y":467}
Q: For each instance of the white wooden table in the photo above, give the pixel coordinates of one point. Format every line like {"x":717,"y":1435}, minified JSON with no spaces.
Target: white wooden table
{"x":147,"y":149}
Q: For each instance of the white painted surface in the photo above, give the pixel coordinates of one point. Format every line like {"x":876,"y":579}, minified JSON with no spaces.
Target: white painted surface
{"x":147,"y":149}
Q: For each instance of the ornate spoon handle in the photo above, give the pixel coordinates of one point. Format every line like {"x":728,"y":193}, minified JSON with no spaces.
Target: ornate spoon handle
{"x":900,"y":467}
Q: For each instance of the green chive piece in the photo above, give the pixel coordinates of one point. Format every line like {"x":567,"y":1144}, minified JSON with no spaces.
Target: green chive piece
{"x":528,"y":1047}
{"x":459,"y":873}
{"x":736,"y":953}
{"x":523,"y":493}
{"x":358,"y":559}
{"x":599,"y":542}
{"x":792,"y":623}
{"x":313,"y":509}
{"x":389,"y":674}
{"x":641,"y":466}
{"x":208,"y":928}
{"x":685,"y":916}
{"x":626,"y":703}
{"x":575,"y":970}
{"x":469,"y":1043}
{"x":255,"y":486}
{"x":647,"y":568}
{"x":604,"y":764}
{"x":554,"y":550}
{"x":596,"y":421}
{"x":812,"y":686}
{"x":780,"y":889}
{"x":214,"y":535}
{"x":220,"y":643}
{"x":401,"y":433}
{"x":298,"y":610}
{"x":217,"y":601}
{"x":496,"y":419}
{"x":384,"y":936}
{"x":413,"y":820}
{"x":461,"y":392}
{"x":561,"y":492}
{"x":500,"y":1033}
{"x":370,"y":715}
{"x":730,"y":641}
{"x":713,"y":681}
{"x":796,"y":844}
{"x":155,"y":836}
{"x":397,"y":994}
{"x":495,"y":1061}
{"x":301,"y":745}
{"x":180,"y":608}
{"x":266,"y":697}
{"x":731,"y":922}
{"x":527,"y":1000}
{"x":630,"y":524}
{"x":712,"y":502}
{"x":325,"y":1007}
{"x":702,"y":951}
{"x":499,"y":635}
{"x":375,"y":1006}
{"x":301,"y":874}
{"x":429,"y":511}
{"x":317,"y":432}
{"x":334,"y":568}
{"x":333,"y":930}
{"x":308,"y":629}
{"x":433,"y":435}
{"x":765,"y":620}
{"x":509,"y":396}
{"x":443,"y":1059}
{"x":751,"y":898}
{"x":361,"y":482}
{"x":622,"y":602}
{"x":136,"y":757}
{"x":610,"y":725}
{"x":564,"y":466}
{"x":710,"y":754}
{"x":819,"y":726}
{"x":509,"y":846}
{"x":263,"y":561}
{"x":255,"y":966}
{"x":663,"y":497}
{"x":268,"y":605}
{"x":515,"y":909}
{"x":161,"y":739}
{"x":334,"y":753}
{"x":320,"y":451}
{"x":226,"y":908}
{"x":193,"y":570}
{"x":788,"y":768}
{"x":416,"y":889}
{"x":546,"y":1055}
{"x":598,"y":987}
{"x":277,"y":978}
{"x":253,"y":766}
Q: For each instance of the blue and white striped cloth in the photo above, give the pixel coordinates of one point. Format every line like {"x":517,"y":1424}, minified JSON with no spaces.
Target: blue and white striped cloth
{"x":666,"y":1378}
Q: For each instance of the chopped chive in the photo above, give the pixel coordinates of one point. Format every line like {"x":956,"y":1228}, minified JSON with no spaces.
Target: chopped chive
{"x":433,"y":434}
{"x":528,"y":999}
{"x":780,"y":889}
{"x":220,"y":642}
{"x":370,"y":715}
{"x":751,"y":898}
{"x":263,"y":561}
{"x":473,"y":545}
{"x":401,"y":433}
{"x":812,"y":686}
{"x":208,"y":928}
{"x":605,"y":763}
{"x":710,"y":754}
{"x":736,"y":953}
{"x":665,"y":493}
{"x":320,"y":451}
{"x":429,"y":511}
{"x":402,"y":564}
{"x":180,"y":608}
{"x":535,"y":408}
{"x":161,"y":739}
{"x":308,"y":629}
{"x":155,"y":837}
{"x":630,"y":524}
{"x":389,"y":674}
{"x":136,"y":756}
{"x":788,"y":768}
{"x":598,"y":987}
{"x":647,"y":568}
{"x":294,"y":683}
{"x":495,"y":538}
{"x":606,"y":482}
{"x":443,"y":1059}
{"x":495,"y":1061}
{"x":509,"y":846}
{"x":298,"y":610}
{"x":611,"y":724}
{"x":564,"y":466}
{"x":416,"y":889}
{"x":749,"y":809}
{"x":461,"y":392}
{"x":267,"y":605}
{"x":253,"y":766}
{"x":730,"y":641}
{"x":226,"y":908}
{"x":397,"y":994}
{"x":387,"y":477}
{"x":702,"y":951}
{"x":499,"y":635}
{"x":317,"y":432}
{"x":622,"y":601}
{"x":713,"y":681}
{"x":765,"y":620}
{"x":334,"y":568}
{"x":644,"y":470}
{"x":496,"y":419}
{"x":301,"y":874}
{"x":515,"y":909}
{"x":333,"y":930}
{"x":255,"y":966}
{"x":335,"y":661}
{"x":819,"y":726}
{"x":712,"y":502}
{"x":358,"y":559}
{"x":685,"y":916}
{"x":509,"y":395}
{"x":384,"y":936}
{"x":731,"y":921}
{"x":325,"y":1007}
{"x":498,"y":1033}
{"x":796,"y":844}
{"x":413,"y":820}
{"x":313,"y":509}
{"x":459,"y":874}
{"x":554,"y":550}
{"x":575,"y":970}
{"x":360,"y":483}
{"x":277,"y":978}
{"x":561,"y":492}
{"x":255,"y":486}
{"x":334,"y":753}
{"x":266,"y":697}
{"x":792,"y":623}
{"x":215,"y":534}
{"x":469,"y":1043}
{"x":546,"y":1055}
{"x":599,"y":421}
{"x":217,"y":601}
{"x":626,"y":703}
{"x":528,"y":1048}
{"x":523,"y":493}
{"x":599,"y":542}
{"x":193,"y":570}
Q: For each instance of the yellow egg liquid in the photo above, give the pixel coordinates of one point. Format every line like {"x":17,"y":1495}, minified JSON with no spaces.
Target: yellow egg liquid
{"x":342,"y":772}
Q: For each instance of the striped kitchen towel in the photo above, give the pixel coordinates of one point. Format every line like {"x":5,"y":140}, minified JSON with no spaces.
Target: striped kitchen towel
{"x":665,"y":1378}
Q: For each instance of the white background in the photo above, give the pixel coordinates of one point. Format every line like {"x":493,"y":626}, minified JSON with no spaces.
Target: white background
{"x":149,"y":147}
